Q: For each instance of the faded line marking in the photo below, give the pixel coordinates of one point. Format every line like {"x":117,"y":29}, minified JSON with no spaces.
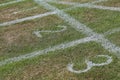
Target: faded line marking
{"x":112,"y":31}
{"x":37,"y":33}
{"x":90,"y":64}
{"x":25,"y":10}
{"x":27,"y":18}
{"x":12,"y":2}
{"x":45,"y":51}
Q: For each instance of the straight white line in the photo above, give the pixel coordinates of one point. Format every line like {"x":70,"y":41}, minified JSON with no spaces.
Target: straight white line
{"x":82,"y":28}
{"x":12,"y":2}
{"x":25,"y":10}
{"x":27,"y":18}
{"x":98,"y":1}
{"x":40,"y":15}
{"x":112,"y":31}
{"x":45,"y":51}
{"x":88,"y":5}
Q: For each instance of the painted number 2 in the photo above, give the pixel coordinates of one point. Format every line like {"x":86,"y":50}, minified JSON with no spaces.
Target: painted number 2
{"x":90,"y":64}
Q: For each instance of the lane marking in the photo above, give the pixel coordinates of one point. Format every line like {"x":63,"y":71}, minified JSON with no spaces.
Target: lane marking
{"x":88,"y":5}
{"x":38,"y":33}
{"x":12,"y":2}
{"x":82,"y":28}
{"x":90,"y":64}
{"x":112,"y":31}
{"x":45,"y":51}
{"x":27,"y":18}
{"x":29,"y":9}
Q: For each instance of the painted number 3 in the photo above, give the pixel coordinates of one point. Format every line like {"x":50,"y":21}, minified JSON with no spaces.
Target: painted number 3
{"x":90,"y":64}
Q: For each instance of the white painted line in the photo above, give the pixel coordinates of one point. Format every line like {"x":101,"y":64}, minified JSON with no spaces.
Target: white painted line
{"x":29,"y":9}
{"x":12,"y":2}
{"x":82,"y":28}
{"x":112,"y":31}
{"x":88,"y":5}
{"x":27,"y":18}
{"x":98,"y":1}
{"x":90,"y":64}
{"x":75,"y":24}
{"x":37,"y":33}
{"x":45,"y":51}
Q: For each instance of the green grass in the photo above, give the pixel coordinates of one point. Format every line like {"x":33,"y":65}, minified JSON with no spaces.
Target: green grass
{"x":52,"y":66}
{"x":80,"y":1}
{"x":98,"y":20}
{"x":16,"y":40}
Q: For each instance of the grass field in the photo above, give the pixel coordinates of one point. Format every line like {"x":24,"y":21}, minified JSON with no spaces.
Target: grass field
{"x":59,"y":40}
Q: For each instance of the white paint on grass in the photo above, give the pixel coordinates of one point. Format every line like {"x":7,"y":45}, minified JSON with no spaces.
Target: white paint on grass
{"x":112,"y":31}
{"x":88,"y":5}
{"x":75,"y":24}
{"x":38,"y":33}
{"x":45,"y":51}
{"x":22,"y":11}
{"x":82,"y":28}
{"x":12,"y":2}
{"x":27,"y":18}
{"x":90,"y":64}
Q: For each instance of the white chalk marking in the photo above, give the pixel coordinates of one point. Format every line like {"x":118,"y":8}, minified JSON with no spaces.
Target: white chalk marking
{"x":29,"y":9}
{"x":88,"y":5}
{"x":75,"y":24}
{"x":12,"y":2}
{"x":90,"y":64}
{"x":27,"y":18}
{"x":30,"y":18}
{"x":112,"y":31}
{"x":45,"y":51}
{"x":37,"y":33}
{"x":82,"y":28}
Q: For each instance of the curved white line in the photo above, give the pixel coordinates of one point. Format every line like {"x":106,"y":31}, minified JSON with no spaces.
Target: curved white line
{"x":90,"y":64}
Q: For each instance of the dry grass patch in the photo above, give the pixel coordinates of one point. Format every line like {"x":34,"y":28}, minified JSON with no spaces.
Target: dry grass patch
{"x":98,"y":20}
{"x":9,"y":12}
{"x":112,"y":3}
